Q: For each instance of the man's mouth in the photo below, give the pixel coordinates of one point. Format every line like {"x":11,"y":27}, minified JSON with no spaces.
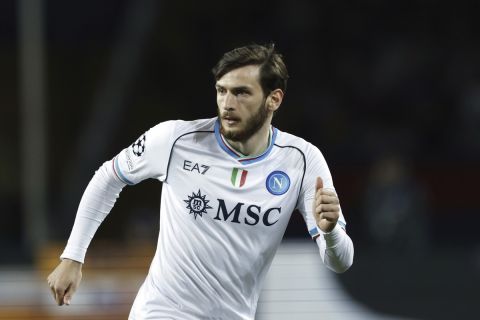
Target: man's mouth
{"x":231,"y":120}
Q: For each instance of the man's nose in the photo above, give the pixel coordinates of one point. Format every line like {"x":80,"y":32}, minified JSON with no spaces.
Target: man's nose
{"x":228,"y":102}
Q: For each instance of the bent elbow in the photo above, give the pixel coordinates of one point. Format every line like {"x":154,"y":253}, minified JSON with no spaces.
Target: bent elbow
{"x":342,"y":267}
{"x":342,"y":263}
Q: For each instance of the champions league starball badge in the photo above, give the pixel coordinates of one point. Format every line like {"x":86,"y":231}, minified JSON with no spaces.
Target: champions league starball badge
{"x":138,"y":147}
{"x":197,"y":204}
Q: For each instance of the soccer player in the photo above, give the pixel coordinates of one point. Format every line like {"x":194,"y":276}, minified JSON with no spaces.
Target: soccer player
{"x":230,"y":184}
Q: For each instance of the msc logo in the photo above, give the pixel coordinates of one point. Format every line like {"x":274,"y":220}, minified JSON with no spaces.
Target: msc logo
{"x":252,"y":214}
{"x":240,"y":213}
{"x":277,"y":183}
{"x":197,"y":204}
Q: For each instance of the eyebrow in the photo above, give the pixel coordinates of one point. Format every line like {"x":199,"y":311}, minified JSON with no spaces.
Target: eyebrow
{"x":238,"y":88}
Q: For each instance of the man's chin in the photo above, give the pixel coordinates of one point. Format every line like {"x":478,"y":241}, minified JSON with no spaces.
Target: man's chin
{"x":231,"y":134}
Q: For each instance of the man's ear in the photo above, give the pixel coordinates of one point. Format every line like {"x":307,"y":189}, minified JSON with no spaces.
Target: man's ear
{"x":275,"y":99}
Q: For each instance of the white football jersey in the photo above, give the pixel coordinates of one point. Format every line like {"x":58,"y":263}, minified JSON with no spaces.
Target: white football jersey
{"x":222,"y":215}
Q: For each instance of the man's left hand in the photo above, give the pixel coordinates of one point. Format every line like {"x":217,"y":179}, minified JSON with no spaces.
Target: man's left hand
{"x":326,"y":207}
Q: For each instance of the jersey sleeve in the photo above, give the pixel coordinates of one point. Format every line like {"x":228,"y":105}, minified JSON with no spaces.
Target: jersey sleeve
{"x":316,"y":166}
{"x":147,"y":157}
{"x":336,"y":247}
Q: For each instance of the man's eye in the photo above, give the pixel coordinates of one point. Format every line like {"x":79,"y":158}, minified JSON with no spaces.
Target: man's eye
{"x":242,"y":92}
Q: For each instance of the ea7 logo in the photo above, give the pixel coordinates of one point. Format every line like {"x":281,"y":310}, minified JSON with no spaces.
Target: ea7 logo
{"x":190,"y":166}
{"x":252,"y":214}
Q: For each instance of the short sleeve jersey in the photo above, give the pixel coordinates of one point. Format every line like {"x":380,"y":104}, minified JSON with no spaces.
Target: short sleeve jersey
{"x":222,"y":215}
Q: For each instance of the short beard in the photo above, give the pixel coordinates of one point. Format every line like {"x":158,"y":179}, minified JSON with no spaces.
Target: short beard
{"x":253,"y":125}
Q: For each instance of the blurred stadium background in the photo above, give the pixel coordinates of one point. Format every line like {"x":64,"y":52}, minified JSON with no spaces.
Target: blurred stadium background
{"x":389,"y":91}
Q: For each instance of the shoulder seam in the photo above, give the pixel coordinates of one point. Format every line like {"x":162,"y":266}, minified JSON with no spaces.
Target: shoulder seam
{"x":173,"y":145}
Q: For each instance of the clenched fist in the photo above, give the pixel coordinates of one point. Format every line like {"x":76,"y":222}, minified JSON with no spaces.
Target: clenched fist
{"x":64,"y":280}
{"x":326,"y":207}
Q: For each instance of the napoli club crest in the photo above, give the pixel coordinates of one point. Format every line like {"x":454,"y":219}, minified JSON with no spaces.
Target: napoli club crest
{"x":197,"y":204}
{"x":277,"y":183}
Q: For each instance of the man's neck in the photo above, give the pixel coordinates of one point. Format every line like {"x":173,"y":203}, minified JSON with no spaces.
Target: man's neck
{"x":256,"y":145}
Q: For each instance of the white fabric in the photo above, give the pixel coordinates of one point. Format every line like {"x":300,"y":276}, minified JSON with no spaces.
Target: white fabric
{"x":97,"y":201}
{"x":336,"y":249}
{"x":217,"y":239}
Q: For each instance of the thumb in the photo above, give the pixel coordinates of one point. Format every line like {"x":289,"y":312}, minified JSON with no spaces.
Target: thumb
{"x":67,"y":299}
{"x":318,"y":183}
